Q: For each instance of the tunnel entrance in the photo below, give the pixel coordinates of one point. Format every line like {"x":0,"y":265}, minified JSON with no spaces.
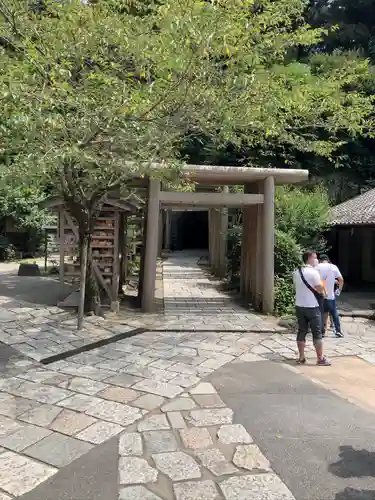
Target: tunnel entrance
{"x":192,"y":230}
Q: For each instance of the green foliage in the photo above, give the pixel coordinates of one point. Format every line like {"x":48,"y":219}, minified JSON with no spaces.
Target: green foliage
{"x":284,"y":295}
{"x":303,"y":214}
{"x":87,"y":90}
{"x":287,"y":259}
{"x":7,"y":250}
{"x":350,"y":35}
{"x":287,"y":253}
{"x":234,"y":249}
{"x":21,"y":202}
{"x":351,"y":25}
{"x":133,"y":7}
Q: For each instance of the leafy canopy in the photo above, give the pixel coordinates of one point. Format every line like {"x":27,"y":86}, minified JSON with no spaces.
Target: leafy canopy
{"x":302,"y":214}
{"x":92,"y":94}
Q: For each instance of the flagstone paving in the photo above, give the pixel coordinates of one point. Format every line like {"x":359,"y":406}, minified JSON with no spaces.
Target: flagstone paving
{"x":177,"y":437}
{"x":53,"y":414}
{"x":193,"y":463}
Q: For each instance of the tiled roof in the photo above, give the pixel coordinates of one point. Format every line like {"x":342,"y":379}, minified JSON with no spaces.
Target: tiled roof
{"x":358,"y":210}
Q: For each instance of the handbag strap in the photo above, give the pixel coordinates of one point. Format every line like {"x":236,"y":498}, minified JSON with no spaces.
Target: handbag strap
{"x":316,"y":294}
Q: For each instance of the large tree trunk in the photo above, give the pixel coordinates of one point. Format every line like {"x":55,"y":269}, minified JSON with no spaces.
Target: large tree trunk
{"x":92,"y":294}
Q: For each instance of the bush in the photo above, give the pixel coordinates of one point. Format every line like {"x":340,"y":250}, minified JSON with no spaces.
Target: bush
{"x":284,"y":295}
{"x":7,"y":250}
{"x":287,"y":253}
{"x":287,"y":259}
{"x":304,"y":214}
{"x":234,"y":251}
{"x":301,"y":216}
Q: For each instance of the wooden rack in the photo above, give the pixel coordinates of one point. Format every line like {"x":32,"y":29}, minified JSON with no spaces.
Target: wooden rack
{"x":107,"y":246}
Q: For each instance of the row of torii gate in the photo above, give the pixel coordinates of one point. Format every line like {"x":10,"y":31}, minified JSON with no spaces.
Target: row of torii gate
{"x":257,"y":201}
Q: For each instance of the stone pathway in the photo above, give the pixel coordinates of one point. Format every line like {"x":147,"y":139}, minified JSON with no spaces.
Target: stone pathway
{"x":134,"y":388}
{"x":194,"y":300}
{"x":49,"y":416}
{"x":43,"y":331}
{"x":190,"y":449}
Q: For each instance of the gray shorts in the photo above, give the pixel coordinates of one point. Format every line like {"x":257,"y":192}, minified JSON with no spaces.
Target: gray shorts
{"x":309,"y":317}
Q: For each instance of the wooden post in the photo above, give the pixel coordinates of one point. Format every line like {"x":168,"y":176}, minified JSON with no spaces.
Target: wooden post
{"x":259,"y":257}
{"x":45,"y":250}
{"x":210,"y":237}
{"x":151,"y":251}
{"x":161,"y":231}
{"x":243,"y":254}
{"x":223,"y":234}
{"x":124,"y":267}
{"x":121,"y":245}
{"x":246,"y":249}
{"x":167,"y":235}
{"x":268,"y":245}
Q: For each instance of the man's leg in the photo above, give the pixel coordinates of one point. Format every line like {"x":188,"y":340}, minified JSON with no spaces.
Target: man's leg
{"x":325,"y":318}
{"x":303,"y":327}
{"x":335,"y":317}
{"x":315,"y":320}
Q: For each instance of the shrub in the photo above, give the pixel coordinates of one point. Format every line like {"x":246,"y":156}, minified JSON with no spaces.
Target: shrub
{"x":303,"y":213}
{"x":287,"y":259}
{"x":287,"y":253}
{"x":234,"y":251}
{"x":284,"y":295}
{"x":7,"y":250}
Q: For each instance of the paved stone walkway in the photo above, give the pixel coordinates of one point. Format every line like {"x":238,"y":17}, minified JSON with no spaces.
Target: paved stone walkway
{"x":195,"y":300}
{"x":51,"y":415}
{"x":190,"y":449}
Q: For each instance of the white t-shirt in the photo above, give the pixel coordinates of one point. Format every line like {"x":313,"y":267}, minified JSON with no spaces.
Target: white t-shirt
{"x":304,"y":296}
{"x":329,"y":273}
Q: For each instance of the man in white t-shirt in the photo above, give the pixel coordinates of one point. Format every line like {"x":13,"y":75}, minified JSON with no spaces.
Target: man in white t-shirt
{"x":330,"y":274}
{"x":309,"y":302}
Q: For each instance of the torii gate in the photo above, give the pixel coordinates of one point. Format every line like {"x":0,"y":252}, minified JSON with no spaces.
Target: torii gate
{"x":257,"y":201}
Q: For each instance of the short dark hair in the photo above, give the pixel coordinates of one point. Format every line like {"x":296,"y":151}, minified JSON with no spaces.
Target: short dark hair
{"x":324,"y":257}
{"x":307,"y":254}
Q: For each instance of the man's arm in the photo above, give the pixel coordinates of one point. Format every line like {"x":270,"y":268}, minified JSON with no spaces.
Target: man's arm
{"x":339,"y":278}
{"x":317,"y":284}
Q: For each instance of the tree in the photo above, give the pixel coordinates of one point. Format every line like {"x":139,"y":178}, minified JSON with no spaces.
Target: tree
{"x":350,"y":34}
{"x":93,"y":94}
{"x":21,"y":202}
{"x":351,"y":25}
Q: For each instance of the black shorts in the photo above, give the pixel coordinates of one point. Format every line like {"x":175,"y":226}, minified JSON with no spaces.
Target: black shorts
{"x":309,"y":317}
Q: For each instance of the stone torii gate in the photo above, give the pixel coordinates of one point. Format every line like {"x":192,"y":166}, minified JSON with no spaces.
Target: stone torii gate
{"x":257,"y":201}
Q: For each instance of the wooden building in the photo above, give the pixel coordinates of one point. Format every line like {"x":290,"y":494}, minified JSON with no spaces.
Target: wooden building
{"x":352,"y":239}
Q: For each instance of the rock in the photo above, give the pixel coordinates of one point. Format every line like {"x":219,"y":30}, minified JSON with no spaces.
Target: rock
{"x":28,"y":270}
{"x":233,"y":433}
{"x":250,"y":457}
